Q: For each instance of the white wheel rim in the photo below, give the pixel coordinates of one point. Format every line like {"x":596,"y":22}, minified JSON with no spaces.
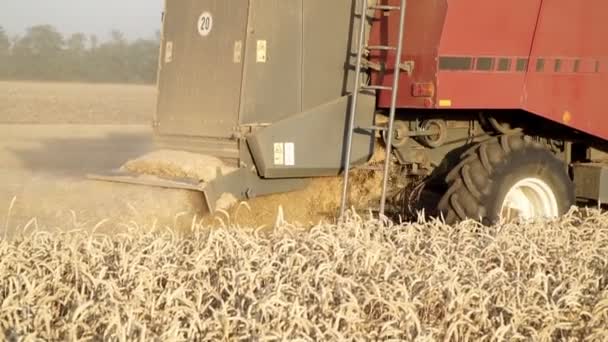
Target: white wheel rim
{"x":529,"y":199}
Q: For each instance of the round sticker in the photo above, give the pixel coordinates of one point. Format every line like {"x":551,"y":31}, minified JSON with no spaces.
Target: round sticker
{"x":205,"y":24}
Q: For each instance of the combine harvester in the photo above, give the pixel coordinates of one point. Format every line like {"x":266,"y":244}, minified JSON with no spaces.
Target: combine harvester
{"x":486,"y":109}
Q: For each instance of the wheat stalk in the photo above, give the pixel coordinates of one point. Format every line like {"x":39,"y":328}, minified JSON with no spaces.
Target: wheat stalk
{"x":357,"y":280}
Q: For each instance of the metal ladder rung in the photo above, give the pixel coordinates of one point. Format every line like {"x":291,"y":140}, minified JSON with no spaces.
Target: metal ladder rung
{"x":376,"y":87}
{"x":373,"y":128}
{"x":381,"y":47}
{"x":385,"y":7}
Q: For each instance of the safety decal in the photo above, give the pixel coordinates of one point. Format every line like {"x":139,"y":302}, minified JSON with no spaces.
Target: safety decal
{"x":261,"y":55}
{"x":279,"y":154}
{"x":284,"y":154}
{"x":169,"y":52}
{"x":290,"y":154}
{"x":238,"y":52}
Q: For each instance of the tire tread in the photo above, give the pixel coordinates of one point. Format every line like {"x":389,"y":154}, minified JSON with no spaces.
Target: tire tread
{"x":461,"y":182}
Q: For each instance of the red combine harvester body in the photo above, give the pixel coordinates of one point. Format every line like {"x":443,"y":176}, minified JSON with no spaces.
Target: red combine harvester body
{"x":494,"y":109}
{"x":549,"y":58}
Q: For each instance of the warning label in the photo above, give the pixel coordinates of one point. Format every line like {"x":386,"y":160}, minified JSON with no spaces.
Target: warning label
{"x":290,"y":154}
{"x":279,"y":154}
{"x":284,"y":154}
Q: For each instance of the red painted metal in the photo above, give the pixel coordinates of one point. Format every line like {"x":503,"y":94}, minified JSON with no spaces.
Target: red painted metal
{"x":571,"y":30}
{"x":424,"y":23}
{"x":569,"y":37}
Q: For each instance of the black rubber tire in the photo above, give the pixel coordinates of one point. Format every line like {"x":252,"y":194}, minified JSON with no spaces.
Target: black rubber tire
{"x":478,"y":185}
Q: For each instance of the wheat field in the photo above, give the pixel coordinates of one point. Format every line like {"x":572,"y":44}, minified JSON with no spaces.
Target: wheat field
{"x":359,"y":280}
{"x":75,"y":103}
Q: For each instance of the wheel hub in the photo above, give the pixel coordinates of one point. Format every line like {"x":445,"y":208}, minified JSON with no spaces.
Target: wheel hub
{"x":530,"y":199}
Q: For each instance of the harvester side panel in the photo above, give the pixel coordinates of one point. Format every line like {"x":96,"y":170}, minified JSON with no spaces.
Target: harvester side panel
{"x":547,"y":57}
{"x":445,"y":42}
{"x":329,"y":51}
{"x":311,"y":144}
{"x":568,"y":74}
{"x":201,"y":74}
{"x":306,"y":44}
{"x":273,"y":70}
{"x":262,"y":62}
{"x":307,"y":141}
{"x":483,"y":53}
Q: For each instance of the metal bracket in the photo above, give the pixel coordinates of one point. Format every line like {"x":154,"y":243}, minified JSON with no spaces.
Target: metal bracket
{"x":245,"y":129}
{"x":242,"y":183}
{"x":367,"y":64}
{"x":408,"y":67}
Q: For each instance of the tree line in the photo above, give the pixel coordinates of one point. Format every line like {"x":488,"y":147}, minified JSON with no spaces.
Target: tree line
{"x":44,"y":54}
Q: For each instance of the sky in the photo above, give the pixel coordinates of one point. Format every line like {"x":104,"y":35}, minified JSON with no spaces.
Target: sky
{"x":136,"y":18}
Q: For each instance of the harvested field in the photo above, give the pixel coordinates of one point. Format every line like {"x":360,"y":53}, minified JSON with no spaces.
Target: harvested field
{"x":53,"y":134}
{"x":359,"y":281}
{"x":75,"y":103}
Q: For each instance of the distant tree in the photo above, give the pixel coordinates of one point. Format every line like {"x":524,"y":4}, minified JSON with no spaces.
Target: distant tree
{"x":43,"y":54}
{"x":143,"y":61}
{"x":94,"y":42}
{"x":38,"y":54}
{"x":5,"y":46}
{"x":77,"y":44}
{"x":118,"y":38}
{"x":5,"y":43}
{"x":75,"y":61}
{"x":40,"y":40}
{"x":111,"y":59}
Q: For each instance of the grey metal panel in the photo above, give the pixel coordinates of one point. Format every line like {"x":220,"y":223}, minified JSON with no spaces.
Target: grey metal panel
{"x":200,"y":80}
{"x":204,"y":94}
{"x":222,"y":148}
{"x":318,"y":140}
{"x":241,"y":183}
{"x":591,"y":181}
{"x":328,"y":61}
{"x":244,"y":184}
{"x":272,"y":89}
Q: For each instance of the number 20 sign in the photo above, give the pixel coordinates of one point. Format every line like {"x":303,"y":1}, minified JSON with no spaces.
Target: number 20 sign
{"x":205,"y":24}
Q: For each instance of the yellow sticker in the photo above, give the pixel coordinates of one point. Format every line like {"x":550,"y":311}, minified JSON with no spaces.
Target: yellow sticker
{"x":238,"y":52}
{"x":261,"y":52}
{"x":445,"y":103}
{"x":169,"y":52}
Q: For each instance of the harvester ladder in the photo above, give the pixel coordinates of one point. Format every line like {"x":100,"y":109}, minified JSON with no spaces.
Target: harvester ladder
{"x":365,"y":7}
